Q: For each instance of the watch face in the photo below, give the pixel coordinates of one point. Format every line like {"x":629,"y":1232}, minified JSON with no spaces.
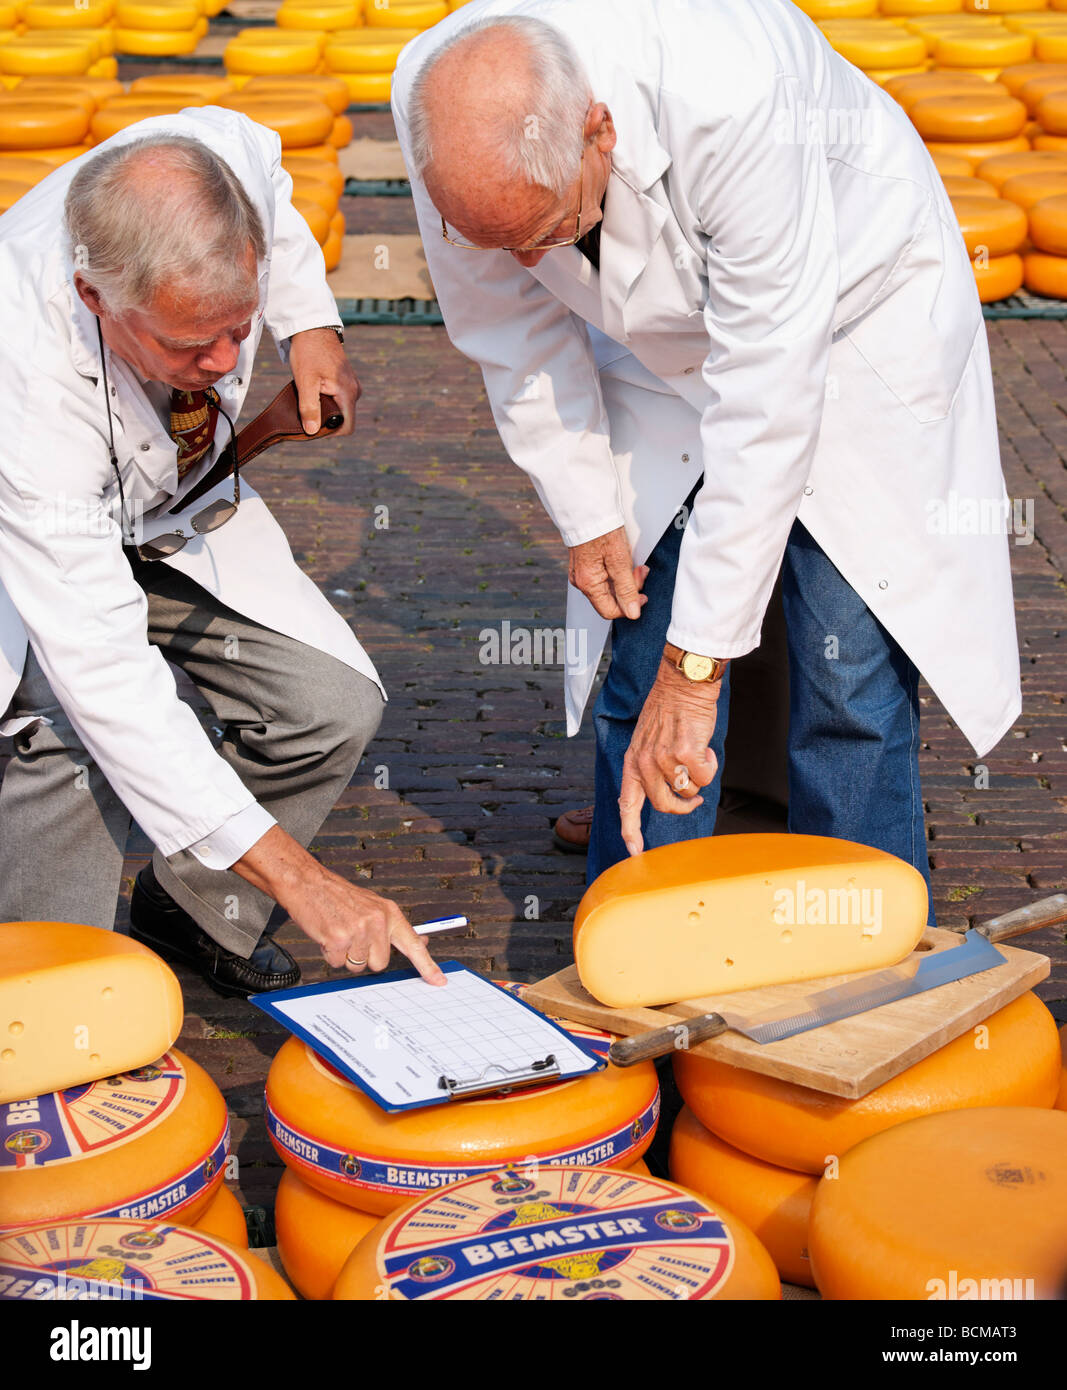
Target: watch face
{"x":697,"y":668}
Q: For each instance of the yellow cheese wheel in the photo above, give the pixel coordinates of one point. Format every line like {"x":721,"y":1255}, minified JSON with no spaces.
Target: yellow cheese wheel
{"x":883,"y":75}
{"x":407,"y":15}
{"x":1051,"y":113}
{"x":969,"y":118}
{"x":61,"y":154}
{"x":28,"y":171}
{"x":118,"y":115}
{"x":968,"y":188}
{"x":104,"y":67}
{"x":37,"y":123}
{"x":951,"y":164}
{"x":990,"y":226}
{"x":316,"y":192}
{"x":321,"y":170}
{"x":131,"y":1259}
{"x":319,"y":152}
{"x":143,"y":1143}
{"x":1015,"y":78}
{"x":739,"y":911}
{"x":368,"y":87}
{"x":881,"y":51}
{"x":77,"y":1003}
{"x":773,"y":1202}
{"x":53,"y":92}
{"x":247,"y":56}
{"x":195,"y":87}
{"x":1015,"y":1061}
{"x":1048,"y":225}
{"x":11,"y":190}
{"x":337,"y":224}
{"x":986,"y":50}
{"x":1047,"y":276}
{"x":32,"y":55}
{"x":1000,"y":7}
{"x":1025,"y":190}
{"x":908,"y":90}
{"x":998,"y":277}
{"x":366,"y":50}
{"x":157,"y":15}
{"x":339,"y":1141}
{"x":317,"y":17}
{"x":1034,"y":92}
{"x":1057,"y":144}
{"x":331,"y":91}
{"x":8,"y":16}
{"x":971,"y":1204}
{"x":315,"y":216}
{"x":1002,"y":167}
{"x":67,"y":14}
{"x":163,"y":43}
{"x":315,"y":1235}
{"x":1050,"y":48}
{"x":976,"y":151}
{"x":921,"y":7}
{"x":1061,"y":1098}
{"x":224,"y":1217}
{"x":833,"y":9}
{"x":342,"y":132}
{"x":300,"y":121}
{"x":100,"y":89}
{"x":563,"y":1234}
{"x":332,"y":249}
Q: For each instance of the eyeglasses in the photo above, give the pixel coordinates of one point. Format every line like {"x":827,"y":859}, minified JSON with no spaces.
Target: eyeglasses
{"x":545,"y":245}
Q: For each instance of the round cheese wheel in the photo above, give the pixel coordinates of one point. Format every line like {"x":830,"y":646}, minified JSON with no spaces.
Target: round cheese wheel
{"x":1061,"y":1098}
{"x":1015,"y":1061}
{"x":991,"y":226}
{"x":150,"y":1261}
{"x":951,"y":164}
{"x":321,"y":170}
{"x":970,"y":1204}
{"x":299,"y":122}
{"x":104,"y":67}
{"x":98,"y":88}
{"x":315,"y":1235}
{"x":366,"y":50}
{"x":833,"y":9}
{"x":53,"y":92}
{"x":957,"y":187}
{"x":884,"y":75}
{"x":24,"y":57}
{"x":1034,"y":92}
{"x":1055,"y":144}
{"x":316,"y":192}
{"x":906,"y":91}
{"x":195,"y":87}
{"x":323,"y":153}
{"x":318,"y":17}
{"x":882,"y":50}
{"x":118,"y":115}
{"x":140,"y":1144}
{"x":1000,"y":7}
{"x":975,"y":152}
{"x":998,"y":277}
{"x":773,"y":1202}
{"x":157,"y":15}
{"x":337,"y":224}
{"x":15,"y":169}
{"x":406,"y":15}
{"x":366,"y":88}
{"x":224,"y":1217}
{"x":1050,"y":48}
{"x":36,"y":123}
{"x":921,"y":7}
{"x":986,"y":50}
{"x":561,"y":1234}
{"x":965,"y":117}
{"x":332,"y":249}
{"x":11,"y":190}
{"x":1046,"y":275}
{"x":342,"y":132}
{"x":315,"y":216}
{"x":1016,"y":77}
{"x":1026,"y":190}
{"x":331,"y":91}
{"x":162,"y":43}
{"x":8,"y":16}
{"x":1051,"y":113}
{"x":1048,"y":225}
{"x":60,"y":154}
{"x":1002,"y":167}
{"x":245,"y":55}
{"x":66,"y":14}
{"x":338,"y":1140}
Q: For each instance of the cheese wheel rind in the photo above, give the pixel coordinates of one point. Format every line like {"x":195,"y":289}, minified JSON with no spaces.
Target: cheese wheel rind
{"x":712,"y":915}
{"x":1048,"y":225}
{"x":963,"y":117}
{"x":1046,"y":275}
{"x":998,"y":277}
{"x":224,"y":1217}
{"x":315,"y":1234}
{"x":990,"y":226}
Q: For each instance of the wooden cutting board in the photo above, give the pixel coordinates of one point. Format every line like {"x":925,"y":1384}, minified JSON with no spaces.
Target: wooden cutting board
{"x":847,"y":1058}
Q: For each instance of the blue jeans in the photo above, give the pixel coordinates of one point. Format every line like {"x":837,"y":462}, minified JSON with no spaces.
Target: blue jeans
{"x":853,"y":715}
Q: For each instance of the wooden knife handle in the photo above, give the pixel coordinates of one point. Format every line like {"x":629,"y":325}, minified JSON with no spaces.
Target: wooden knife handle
{"x":658,"y":1042}
{"x":1046,"y":912}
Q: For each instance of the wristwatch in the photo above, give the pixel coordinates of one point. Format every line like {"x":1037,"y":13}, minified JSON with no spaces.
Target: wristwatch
{"x":694,"y":667}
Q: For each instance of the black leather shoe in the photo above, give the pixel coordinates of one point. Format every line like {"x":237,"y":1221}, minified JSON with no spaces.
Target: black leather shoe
{"x":157,"y":921}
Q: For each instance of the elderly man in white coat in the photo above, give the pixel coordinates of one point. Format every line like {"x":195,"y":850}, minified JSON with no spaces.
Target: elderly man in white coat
{"x":137,"y":282}
{"x":727,"y":325}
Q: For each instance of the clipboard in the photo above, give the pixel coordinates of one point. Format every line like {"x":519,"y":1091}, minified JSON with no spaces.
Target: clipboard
{"x":408,"y":1045}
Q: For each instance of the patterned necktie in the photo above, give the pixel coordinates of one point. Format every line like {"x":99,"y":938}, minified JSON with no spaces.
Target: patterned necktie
{"x":193,"y":416}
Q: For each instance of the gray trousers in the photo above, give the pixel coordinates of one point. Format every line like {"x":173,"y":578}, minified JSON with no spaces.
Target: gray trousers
{"x":294,"y":722}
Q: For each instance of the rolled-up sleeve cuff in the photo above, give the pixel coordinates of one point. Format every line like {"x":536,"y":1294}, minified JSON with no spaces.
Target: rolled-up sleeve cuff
{"x":234,"y":837}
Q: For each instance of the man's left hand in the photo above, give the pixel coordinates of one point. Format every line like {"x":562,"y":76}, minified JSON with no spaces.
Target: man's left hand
{"x":669,"y":761}
{"x":319,"y":366}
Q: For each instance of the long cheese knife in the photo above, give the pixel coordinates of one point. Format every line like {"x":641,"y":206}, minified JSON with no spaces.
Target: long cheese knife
{"x":975,"y":954}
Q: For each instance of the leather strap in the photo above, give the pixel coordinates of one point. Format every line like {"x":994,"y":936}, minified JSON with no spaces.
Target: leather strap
{"x":280,"y":421}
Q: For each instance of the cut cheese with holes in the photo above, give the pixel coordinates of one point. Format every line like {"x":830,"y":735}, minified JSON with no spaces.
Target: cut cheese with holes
{"x":131,"y":1259}
{"x":1011,"y":1059}
{"x":1048,"y":225}
{"x":738,"y":911}
{"x":1002,"y":167}
{"x":1046,"y":275}
{"x":339,"y":1141}
{"x":968,"y":1205}
{"x":1026,"y":190}
{"x":143,"y":1143}
{"x":998,"y":277}
{"x":977,"y":151}
{"x":561,"y":1234}
{"x":775,"y":1203}
{"x":77,"y":1003}
{"x":224,"y":1217}
{"x":965,"y":117}
{"x":991,"y":226}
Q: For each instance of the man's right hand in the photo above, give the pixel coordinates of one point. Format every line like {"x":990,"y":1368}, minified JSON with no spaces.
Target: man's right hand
{"x":350,"y":924}
{"x":603,"y":569}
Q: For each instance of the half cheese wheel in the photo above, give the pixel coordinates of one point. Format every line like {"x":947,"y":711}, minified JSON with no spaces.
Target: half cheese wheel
{"x":77,"y":1003}
{"x":1002,"y":167}
{"x":131,"y":1259}
{"x":992,"y":49}
{"x":1013,"y":1059}
{"x":990,"y":226}
{"x":712,"y":915}
{"x":970,"y":118}
{"x":775,"y":1203}
{"x":560,"y":1234}
{"x":299,"y":122}
{"x":331,"y":91}
{"x":976,"y":151}
{"x":957,"y":187}
{"x":1048,"y":225}
{"x":40,"y":123}
{"x":405,"y":15}
{"x":339,"y":1141}
{"x":1046,"y":275}
{"x":971,"y":1204}
{"x":1028,"y":189}
{"x":142,"y":1143}
{"x":366,"y":50}
{"x":998,"y":277}
{"x":224,"y":1217}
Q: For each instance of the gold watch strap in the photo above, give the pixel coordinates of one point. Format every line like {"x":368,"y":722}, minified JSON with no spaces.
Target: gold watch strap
{"x":677,"y":656}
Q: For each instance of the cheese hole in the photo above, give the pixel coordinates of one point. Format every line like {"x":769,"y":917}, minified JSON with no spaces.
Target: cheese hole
{"x":8,"y":1055}
{"x":694,"y":917}
{"x":107,"y":991}
{"x":727,"y":961}
{"x":15,"y":1028}
{"x":787,"y":935}
{"x":94,"y":1056}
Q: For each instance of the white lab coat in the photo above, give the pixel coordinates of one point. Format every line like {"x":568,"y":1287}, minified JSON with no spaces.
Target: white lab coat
{"x":788,"y":308}
{"x":64,"y":582}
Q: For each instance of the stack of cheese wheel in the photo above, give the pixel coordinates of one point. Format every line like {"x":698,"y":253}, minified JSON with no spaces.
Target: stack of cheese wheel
{"x":131,"y":1259}
{"x":1030,"y":180}
{"x":881,"y":48}
{"x":55,"y":54}
{"x":966,"y":1205}
{"x":51,"y":21}
{"x":41,"y":122}
{"x":18,"y":175}
{"x":316,"y":177}
{"x":566,"y":1234}
{"x":159,"y":28}
{"x":336,"y":1140}
{"x":763,"y":1131}
{"x":365,"y":58}
{"x":323,"y":16}
{"x":994,"y":230}
{"x":128,"y":110}
{"x":262,"y":52}
{"x":972,"y":124}
{"x":85,"y":92}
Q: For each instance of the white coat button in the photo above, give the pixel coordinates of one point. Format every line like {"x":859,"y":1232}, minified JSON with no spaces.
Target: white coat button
{"x":808,"y":491}
{"x":883,"y":583}
{"x":685,"y":458}
{"x":689,"y":371}
{"x":145,"y":447}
